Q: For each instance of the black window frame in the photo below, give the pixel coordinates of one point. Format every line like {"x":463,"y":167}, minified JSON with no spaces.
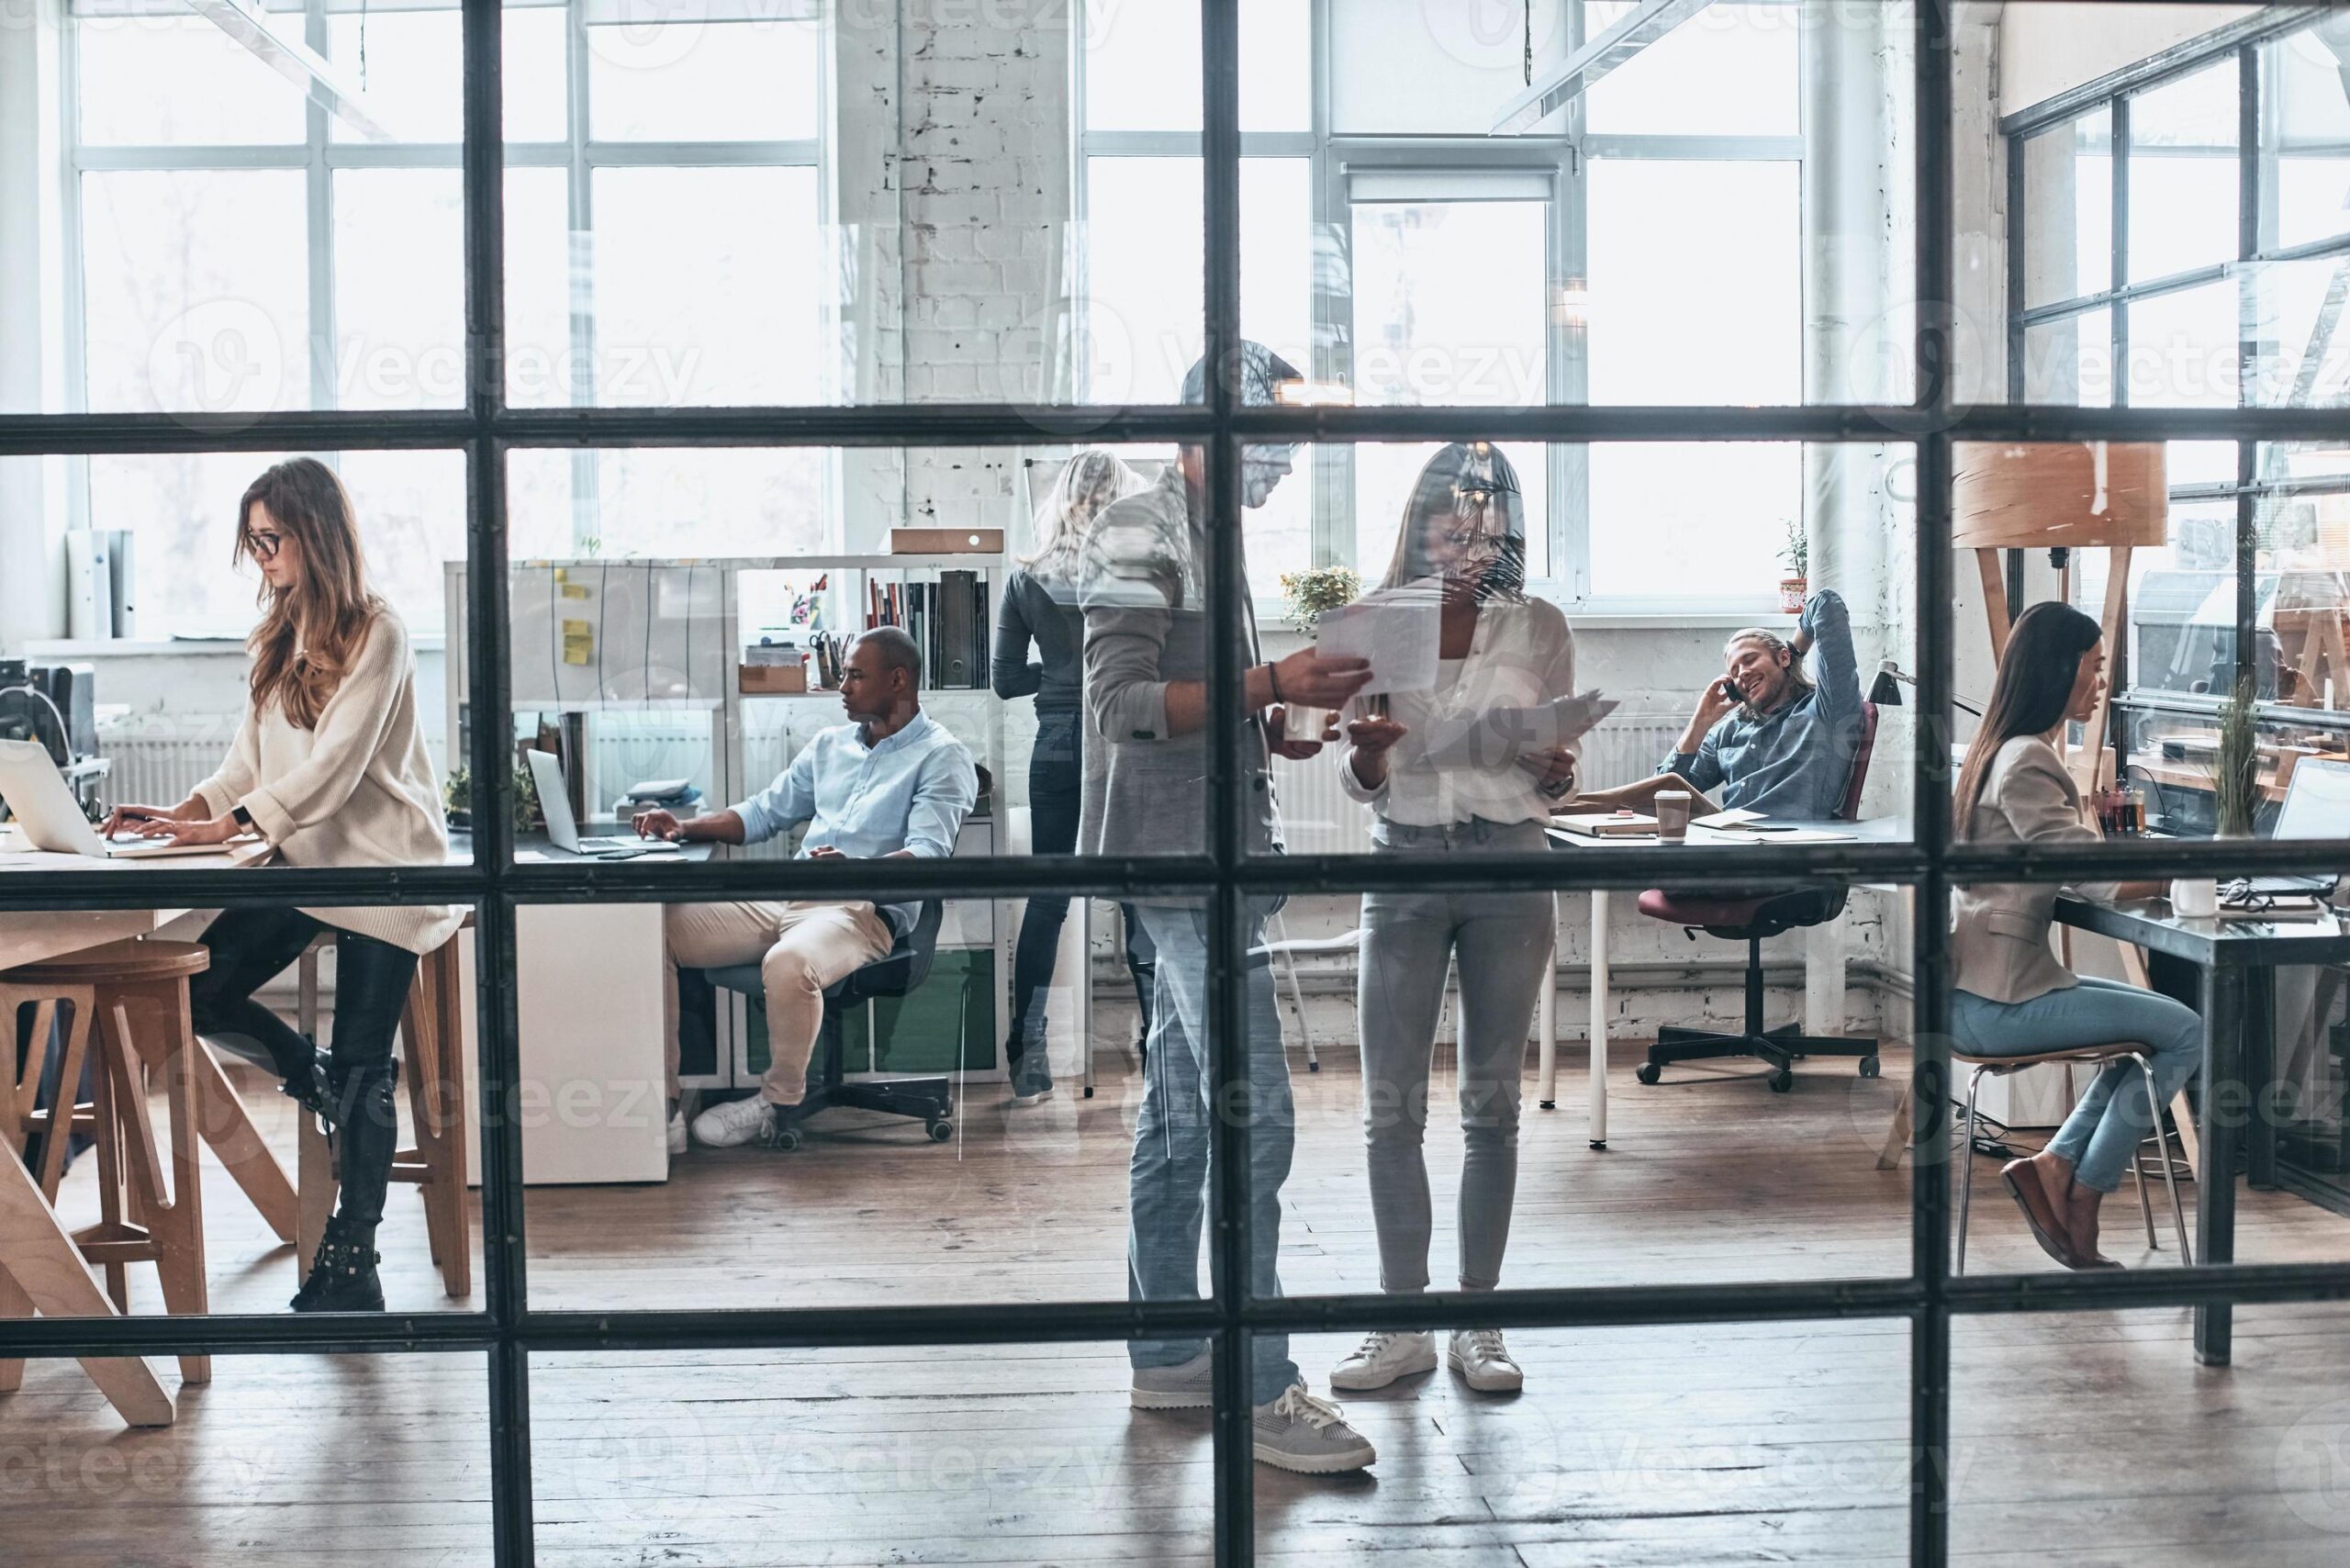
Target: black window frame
{"x":508,"y":1330}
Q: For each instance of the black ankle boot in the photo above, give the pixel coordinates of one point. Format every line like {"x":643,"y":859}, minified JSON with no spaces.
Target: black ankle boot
{"x":305,"y":1084}
{"x":342,"y":1276}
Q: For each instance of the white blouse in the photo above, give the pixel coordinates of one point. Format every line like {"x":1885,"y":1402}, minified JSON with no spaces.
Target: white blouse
{"x":358,"y":789}
{"x":1520,"y":655}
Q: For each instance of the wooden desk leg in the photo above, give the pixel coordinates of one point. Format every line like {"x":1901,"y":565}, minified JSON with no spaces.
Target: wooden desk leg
{"x":437,"y":1103}
{"x":179,"y":1227}
{"x":316,"y":1188}
{"x":45,"y":1269}
{"x":230,"y":1130}
{"x":2215,"y":1194}
{"x":13,"y":1303}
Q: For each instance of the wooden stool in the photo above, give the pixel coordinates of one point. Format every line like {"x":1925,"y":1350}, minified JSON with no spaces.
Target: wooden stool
{"x":143,"y":1218}
{"x":2100,"y":1056}
{"x":432,"y":1027}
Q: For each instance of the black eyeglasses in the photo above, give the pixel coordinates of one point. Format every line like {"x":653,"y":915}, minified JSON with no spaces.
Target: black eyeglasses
{"x":263,"y":545}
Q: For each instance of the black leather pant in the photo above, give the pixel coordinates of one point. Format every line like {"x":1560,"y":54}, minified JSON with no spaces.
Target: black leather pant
{"x":252,"y":947}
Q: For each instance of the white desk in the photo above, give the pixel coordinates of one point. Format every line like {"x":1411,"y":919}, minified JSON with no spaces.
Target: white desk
{"x":1823,"y":966}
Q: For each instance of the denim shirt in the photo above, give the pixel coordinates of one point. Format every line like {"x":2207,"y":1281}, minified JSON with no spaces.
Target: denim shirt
{"x":910,"y":792}
{"x":1797,"y":763}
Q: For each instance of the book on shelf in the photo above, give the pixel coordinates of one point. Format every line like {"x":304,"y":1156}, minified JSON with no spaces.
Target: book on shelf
{"x":946,"y":619}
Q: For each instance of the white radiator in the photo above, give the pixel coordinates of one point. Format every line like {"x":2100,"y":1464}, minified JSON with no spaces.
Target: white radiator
{"x":1318,"y":819}
{"x":157,"y":760}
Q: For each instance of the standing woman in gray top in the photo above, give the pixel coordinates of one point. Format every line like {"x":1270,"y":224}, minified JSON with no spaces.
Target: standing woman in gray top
{"x":1040,"y":607}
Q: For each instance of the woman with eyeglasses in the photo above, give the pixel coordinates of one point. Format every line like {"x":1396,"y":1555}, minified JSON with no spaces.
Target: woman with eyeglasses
{"x":328,"y":766}
{"x":1450,"y":771}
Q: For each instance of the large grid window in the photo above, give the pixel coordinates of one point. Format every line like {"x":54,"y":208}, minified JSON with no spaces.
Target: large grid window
{"x":565,"y":1429}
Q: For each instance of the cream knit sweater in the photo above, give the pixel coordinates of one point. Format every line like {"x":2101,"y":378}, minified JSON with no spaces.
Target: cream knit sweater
{"x":357,"y":791}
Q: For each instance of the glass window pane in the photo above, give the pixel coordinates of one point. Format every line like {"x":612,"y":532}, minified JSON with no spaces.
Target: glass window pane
{"x":409,"y":65}
{"x":2068,"y":197}
{"x":1443,"y":69}
{"x":1385,"y":475}
{"x":1670,"y":323}
{"x":196,"y":290}
{"x":1449,"y":302}
{"x":399,"y":288}
{"x":179,"y":82}
{"x":540,"y":248}
{"x":703,"y":81}
{"x":1728,"y":71}
{"x":2070,"y":360}
{"x":706,"y":287}
{"x":2182,"y":348}
{"x":2183,"y":176}
{"x":2309,"y":148}
{"x":2304,"y":352}
{"x":1142,"y":67}
{"x":1720,"y":511}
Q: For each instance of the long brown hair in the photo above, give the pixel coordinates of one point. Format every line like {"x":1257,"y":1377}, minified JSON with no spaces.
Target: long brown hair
{"x":1465,"y":480}
{"x":2030,"y":694}
{"x":308,"y":632}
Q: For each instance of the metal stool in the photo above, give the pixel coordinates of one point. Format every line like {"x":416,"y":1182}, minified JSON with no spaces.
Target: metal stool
{"x":132,"y":996}
{"x":2101,"y":1056}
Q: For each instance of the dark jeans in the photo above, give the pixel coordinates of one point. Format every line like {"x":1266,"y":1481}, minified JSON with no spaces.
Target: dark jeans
{"x":252,"y":947}
{"x":1055,"y":786}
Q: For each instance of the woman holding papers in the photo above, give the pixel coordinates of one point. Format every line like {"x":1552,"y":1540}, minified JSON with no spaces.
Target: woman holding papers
{"x":1464,"y":766}
{"x":329,"y":767}
{"x":2010,"y":995}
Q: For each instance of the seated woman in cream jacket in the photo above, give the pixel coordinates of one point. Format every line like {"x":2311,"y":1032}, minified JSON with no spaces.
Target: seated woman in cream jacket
{"x":2010,"y":996}
{"x":328,"y":766}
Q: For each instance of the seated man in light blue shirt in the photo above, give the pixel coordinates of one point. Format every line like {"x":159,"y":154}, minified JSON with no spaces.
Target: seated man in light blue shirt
{"x":890,"y":782}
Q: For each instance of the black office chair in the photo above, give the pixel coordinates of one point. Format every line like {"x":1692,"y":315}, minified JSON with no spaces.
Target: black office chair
{"x":1750,"y":918}
{"x":929,"y":1100}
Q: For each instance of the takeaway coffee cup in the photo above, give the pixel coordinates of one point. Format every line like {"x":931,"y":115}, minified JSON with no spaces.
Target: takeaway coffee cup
{"x":1672,"y":813}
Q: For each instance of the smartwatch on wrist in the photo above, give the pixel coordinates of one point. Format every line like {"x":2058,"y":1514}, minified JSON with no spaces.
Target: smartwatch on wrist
{"x":244,"y":819}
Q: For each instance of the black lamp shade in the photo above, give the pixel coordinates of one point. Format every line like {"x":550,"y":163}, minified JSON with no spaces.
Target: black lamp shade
{"x":1887,"y":691}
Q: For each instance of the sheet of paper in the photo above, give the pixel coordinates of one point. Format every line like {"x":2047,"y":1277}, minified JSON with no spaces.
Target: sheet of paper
{"x":1499,"y":737}
{"x":1731,"y":818}
{"x":1800,"y":835}
{"x":1397,"y":632}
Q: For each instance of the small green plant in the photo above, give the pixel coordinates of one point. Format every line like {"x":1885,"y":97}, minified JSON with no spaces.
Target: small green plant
{"x":457,"y":798}
{"x":1795,"y":555}
{"x":1314,"y":593}
{"x":2235,"y":769}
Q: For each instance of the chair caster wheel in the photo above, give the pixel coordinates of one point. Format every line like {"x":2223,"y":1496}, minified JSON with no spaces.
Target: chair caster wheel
{"x":1868,"y":1067}
{"x":1648,"y":1072}
{"x":785,"y":1139}
{"x":941,"y":1129}
{"x":1782,"y":1082}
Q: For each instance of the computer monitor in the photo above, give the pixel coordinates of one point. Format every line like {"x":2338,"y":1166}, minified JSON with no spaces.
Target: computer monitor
{"x":2317,"y":802}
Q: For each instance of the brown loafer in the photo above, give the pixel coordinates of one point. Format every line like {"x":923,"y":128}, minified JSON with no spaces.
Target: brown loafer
{"x":2023,"y":1185}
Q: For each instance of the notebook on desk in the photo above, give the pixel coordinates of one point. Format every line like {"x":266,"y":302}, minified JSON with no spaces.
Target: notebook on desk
{"x":1608,"y":824}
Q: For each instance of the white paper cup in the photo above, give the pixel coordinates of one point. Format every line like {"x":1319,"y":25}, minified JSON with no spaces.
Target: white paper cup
{"x":1672,"y":813}
{"x":2195,"y":898}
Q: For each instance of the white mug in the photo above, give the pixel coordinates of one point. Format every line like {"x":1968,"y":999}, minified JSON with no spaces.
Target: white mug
{"x":2195,"y":898}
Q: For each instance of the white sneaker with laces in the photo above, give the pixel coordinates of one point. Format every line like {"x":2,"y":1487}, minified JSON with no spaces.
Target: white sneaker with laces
{"x":1310,"y":1436}
{"x":678,"y":1131}
{"x":735,"y":1122}
{"x":1383,"y":1358}
{"x":1483,"y":1363}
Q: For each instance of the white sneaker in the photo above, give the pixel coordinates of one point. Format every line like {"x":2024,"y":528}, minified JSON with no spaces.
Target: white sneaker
{"x":1309,"y":1435}
{"x":1483,"y":1362}
{"x":735,"y":1122}
{"x":1186,"y":1386}
{"x":1381,"y":1359}
{"x":678,"y":1131}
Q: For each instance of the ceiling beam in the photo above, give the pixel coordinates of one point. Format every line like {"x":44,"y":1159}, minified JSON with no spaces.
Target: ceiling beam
{"x":286,"y":54}
{"x":1559,"y":85}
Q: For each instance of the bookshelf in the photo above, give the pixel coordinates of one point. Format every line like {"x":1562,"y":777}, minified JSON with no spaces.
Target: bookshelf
{"x":647,"y":653}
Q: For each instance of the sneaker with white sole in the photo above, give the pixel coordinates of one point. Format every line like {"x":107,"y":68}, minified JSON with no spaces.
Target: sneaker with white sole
{"x":1483,"y":1362}
{"x":735,"y":1122}
{"x":678,"y":1131}
{"x":1310,"y":1436}
{"x":1381,"y":1358}
{"x":1186,"y":1386}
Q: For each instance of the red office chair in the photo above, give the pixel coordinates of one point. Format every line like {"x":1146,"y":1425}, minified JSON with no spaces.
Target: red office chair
{"x":1749,"y":919}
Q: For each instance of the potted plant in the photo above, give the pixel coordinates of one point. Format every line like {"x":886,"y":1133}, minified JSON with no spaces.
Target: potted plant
{"x":1796,"y":556}
{"x":457,"y":796}
{"x":1310,"y":595}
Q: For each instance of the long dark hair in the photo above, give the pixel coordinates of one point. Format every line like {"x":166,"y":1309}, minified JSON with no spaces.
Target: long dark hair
{"x":2030,"y":694}
{"x":330,"y":605}
{"x":1470,"y":481}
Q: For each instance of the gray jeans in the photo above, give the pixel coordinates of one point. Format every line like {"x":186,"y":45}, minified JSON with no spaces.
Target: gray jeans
{"x":1503,"y":943}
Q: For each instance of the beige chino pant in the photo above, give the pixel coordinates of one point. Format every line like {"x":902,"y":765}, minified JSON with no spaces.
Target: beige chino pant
{"x":801,"y":947}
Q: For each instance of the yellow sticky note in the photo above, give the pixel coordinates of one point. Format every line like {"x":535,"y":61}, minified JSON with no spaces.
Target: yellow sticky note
{"x":579,"y":642}
{"x":575,"y":591}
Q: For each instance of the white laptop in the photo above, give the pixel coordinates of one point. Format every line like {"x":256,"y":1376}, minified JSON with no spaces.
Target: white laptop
{"x":2317,"y":805}
{"x":45,"y":808}
{"x":563,"y":828}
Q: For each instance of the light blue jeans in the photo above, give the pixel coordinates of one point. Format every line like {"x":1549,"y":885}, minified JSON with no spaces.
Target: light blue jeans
{"x":2101,"y":1137}
{"x":1167,"y":1180}
{"x":1503,"y":943}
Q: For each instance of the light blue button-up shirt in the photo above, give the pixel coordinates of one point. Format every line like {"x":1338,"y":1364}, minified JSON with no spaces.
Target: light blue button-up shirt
{"x":911,"y":792}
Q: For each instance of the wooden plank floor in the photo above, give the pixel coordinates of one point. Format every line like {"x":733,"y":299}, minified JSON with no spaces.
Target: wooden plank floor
{"x":2077,"y":1440}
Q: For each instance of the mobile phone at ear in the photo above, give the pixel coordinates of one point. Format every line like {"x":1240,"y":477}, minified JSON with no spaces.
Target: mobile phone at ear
{"x":1729,"y":693}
